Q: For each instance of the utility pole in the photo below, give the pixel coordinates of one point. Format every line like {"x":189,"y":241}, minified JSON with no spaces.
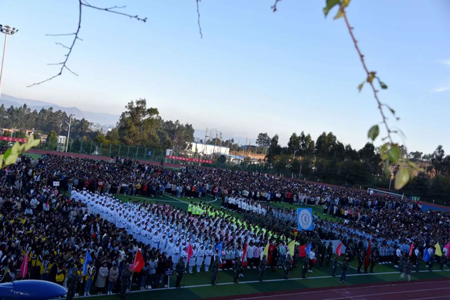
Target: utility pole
{"x":7,"y":31}
{"x":68,"y":131}
{"x":204,"y":141}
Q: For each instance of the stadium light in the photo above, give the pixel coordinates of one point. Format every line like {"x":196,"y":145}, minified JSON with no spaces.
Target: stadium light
{"x":68,"y":131}
{"x":7,"y":30}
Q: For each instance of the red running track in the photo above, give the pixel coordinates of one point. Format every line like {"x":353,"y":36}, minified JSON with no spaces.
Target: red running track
{"x":419,"y":290}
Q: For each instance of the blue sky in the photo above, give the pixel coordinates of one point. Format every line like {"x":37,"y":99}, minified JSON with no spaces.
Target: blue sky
{"x":254,"y":71}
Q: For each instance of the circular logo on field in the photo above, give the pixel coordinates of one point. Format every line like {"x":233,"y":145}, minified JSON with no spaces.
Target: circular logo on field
{"x":305,"y":219}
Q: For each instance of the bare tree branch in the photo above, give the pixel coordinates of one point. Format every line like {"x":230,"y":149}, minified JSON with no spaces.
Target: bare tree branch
{"x":274,"y":6}
{"x":112,"y":10}
{"x":70,"y":71}
{"x":63,"y":64}
{"x":75,"y":34}
{"x":62,"y":45}
{"x":60,"y":34}
{"x":198,"y":19}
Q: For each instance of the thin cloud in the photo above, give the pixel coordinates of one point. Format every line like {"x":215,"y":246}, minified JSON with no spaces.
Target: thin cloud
{"x":442,"y":89}
{"x":446,"y":62}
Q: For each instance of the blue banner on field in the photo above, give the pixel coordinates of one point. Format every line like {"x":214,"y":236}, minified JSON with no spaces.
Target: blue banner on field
{"x":305,"y":219}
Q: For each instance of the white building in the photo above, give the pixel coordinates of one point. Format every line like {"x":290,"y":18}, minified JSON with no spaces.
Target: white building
{"x":209,"y":149}
{"x":61,"y":146}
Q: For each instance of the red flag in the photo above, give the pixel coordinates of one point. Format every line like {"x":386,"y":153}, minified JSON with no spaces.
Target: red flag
{"x":138,"y":262}
{"x":411,"y":249}
{"x":244,"y":256}
{"x":367,"y":260}
{"x":189,"y":252}
{"x":24,"y":267}
{"x":338,"y":250}
{"x":302,"y":251}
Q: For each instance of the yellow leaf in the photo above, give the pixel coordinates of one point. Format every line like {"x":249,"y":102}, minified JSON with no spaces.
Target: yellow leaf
{"x":360,"y":86}
{"x":401,"y":178}
{"x":11,"y":159}
{"x":340,"y":14}
{"x":15,"y":149}
{"x":31,"y":143}
{"x":14,"y":152}
{"x":345,"y":3}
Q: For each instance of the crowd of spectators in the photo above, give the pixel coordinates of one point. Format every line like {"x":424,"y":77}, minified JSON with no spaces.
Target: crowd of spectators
{"x":56,"y":229}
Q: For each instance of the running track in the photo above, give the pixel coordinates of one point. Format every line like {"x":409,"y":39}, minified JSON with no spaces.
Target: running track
{"x":419,"y":290}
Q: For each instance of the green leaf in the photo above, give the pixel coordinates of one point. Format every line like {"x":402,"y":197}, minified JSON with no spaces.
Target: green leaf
{"x":361,"y":86}
{"x":383,"y":85}
{"x":394,"y":153}
{"x":401,"y":178}
{"x":374,"y":131}
{"x":383,"y":148}
{"x":392,"y":111}
{"x":31,"y":143}
{"x":386,"y":167}
{"x":329,"y":5}
{"x":13,"y":154}
{"x":340,"y":14}
{"x":7,"y":153}
{"x":12,"y":158}
{"x":414,"y":166}
{"x":1,"y":161}
{"x":345,"y":3}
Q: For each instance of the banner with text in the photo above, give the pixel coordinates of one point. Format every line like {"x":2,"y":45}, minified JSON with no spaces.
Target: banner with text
{"x":12,"y":139}
{"x":203,"y":161}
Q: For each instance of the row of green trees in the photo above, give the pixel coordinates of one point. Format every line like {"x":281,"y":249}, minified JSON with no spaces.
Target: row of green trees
{"x":329,"y":160}
{"x":138,"y":126}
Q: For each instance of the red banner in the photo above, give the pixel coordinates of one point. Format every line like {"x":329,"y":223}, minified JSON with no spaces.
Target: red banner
{"x":12,"y":139}
{"x":203,"y":161}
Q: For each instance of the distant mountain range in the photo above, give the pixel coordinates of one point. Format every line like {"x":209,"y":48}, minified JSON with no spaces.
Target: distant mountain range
{"x":98,"y":118}
{"x":104,"y":119}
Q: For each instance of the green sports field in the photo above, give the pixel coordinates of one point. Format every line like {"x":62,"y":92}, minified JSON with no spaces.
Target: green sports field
{"x":197,"y":285}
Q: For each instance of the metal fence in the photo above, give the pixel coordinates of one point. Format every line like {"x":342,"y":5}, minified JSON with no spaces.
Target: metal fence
{"x":153,"y":154}
{"x":98,"y":149}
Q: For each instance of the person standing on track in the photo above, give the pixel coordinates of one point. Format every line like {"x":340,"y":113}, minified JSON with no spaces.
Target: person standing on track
{"x":180,"y":271}
{"x":237,"y":269}
{"x":344,"y":270}
{"x":407,"y":268}
{"x":287,"y":266}
{"x":418,"y":261}
{"x":373,"y":260}
{"x":334,"y":266}
{"x":305,"y":267}
{"x":214,"y":270}
{"x":361,"y":257}
{"x":262,"y":268}
{"x":329,"y":253}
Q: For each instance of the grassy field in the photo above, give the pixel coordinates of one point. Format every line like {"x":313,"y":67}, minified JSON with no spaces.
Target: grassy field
{"x":197,"y":285}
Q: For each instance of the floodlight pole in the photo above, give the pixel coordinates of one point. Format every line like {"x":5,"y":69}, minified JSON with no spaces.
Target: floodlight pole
{"x":68,"y":131}
{"x":7,"y":31}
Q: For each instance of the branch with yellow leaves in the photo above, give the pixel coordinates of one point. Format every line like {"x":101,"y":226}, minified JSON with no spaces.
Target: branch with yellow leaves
{"x":12,"y":154}
{"x":390,"y":152}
